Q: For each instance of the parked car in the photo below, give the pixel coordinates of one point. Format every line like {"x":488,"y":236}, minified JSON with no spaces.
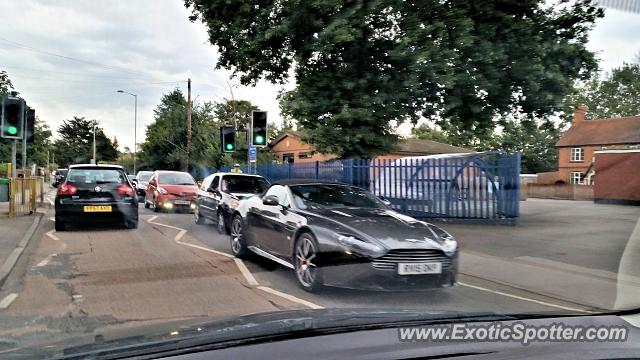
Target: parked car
{"x":143,"y":180}
{"x":94,"y":193}
{"x":337,"y":234}
{"x":59,"y":177}
{"x":220,"y":194}
{"x":171,"y":190}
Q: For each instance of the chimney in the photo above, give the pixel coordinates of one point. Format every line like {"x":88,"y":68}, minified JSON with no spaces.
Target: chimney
{"x":578,"y":115}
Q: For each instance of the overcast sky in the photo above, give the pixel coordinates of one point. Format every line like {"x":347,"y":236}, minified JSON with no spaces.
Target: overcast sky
{"x":148,"y":47}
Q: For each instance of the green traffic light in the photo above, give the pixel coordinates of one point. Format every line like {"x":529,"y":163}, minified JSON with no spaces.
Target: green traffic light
{"x":229,"y":147}
{"x":12,"y":130}
{"x":259,"y":139}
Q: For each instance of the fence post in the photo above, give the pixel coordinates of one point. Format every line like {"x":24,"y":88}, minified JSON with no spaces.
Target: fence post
{"x":317,"y":170}
{"x":289,"y":170}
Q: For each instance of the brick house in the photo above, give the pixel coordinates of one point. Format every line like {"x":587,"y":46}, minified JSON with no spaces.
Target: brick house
{"x":577,"y":146}
{"x":288,"y":147}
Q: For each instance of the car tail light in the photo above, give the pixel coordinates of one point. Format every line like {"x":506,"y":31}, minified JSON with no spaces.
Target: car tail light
{"x":125,"y":190}
{"x":67,"y":189}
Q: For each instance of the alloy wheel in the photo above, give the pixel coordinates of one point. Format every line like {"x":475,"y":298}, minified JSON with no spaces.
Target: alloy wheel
{"x":306,"y":262}
{"x":237,"y":247}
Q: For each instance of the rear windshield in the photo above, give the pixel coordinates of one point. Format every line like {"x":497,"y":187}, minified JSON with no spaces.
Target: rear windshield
{"x":144,"y":176}
{"x":96,"y":176}
{"x":176,"y":179}
{"x":244,"y":184}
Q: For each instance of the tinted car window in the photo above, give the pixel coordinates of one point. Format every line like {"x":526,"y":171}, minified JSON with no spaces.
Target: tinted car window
{"x":175,"y":179}
{"x":96,"y":176}
{"x":214,"y":183}
{"x":245,"y":184}
{"x":332,"y":196}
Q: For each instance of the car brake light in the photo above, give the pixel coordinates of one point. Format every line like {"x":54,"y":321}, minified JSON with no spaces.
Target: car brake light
{"x":125,"y":190}
{"x":67,"y":189}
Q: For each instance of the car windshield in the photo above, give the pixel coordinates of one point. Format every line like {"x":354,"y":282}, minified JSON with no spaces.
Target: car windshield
{"x":175,"y":179}
{"x":95,"y":176}
{"x":318,"y":196}
{"x":308,"y":159}
{"x":244,"y":184}
{"x":144,"y":176}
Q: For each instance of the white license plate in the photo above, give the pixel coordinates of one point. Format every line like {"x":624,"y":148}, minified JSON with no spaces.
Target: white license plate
{"x":419,"y":268}
{"x":181,"y":202}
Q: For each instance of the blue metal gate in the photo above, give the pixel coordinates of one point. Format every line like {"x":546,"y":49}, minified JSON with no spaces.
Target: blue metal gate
{"x":482,"y":185}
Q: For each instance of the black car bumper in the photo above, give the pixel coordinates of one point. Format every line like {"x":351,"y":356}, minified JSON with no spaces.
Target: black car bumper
{"x":362,"y":274}
{"x":75,"y":212}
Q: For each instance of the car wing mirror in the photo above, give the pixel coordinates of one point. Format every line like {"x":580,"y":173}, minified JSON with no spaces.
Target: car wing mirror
{"x":270,"y":200}
{"x":384,"y":200}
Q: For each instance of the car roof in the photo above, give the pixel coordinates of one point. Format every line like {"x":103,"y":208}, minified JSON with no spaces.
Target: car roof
{"x":95,"y":166}
{"x":234,"y":174}
{"x":289,"y":182}
{"x":172,"y":172}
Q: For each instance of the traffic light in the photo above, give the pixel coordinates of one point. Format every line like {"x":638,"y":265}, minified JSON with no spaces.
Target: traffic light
{"x":12,"y":118}
{"x":30,"y":124}
{"x":228,"y":138}
{"x":259,"y":128}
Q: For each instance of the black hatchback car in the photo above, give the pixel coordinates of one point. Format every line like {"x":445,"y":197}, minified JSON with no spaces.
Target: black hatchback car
{"x":93,"y":193}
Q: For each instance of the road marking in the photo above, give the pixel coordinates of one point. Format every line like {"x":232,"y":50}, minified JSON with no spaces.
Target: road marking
{"x":46,"y":260}
{"x":246,"y":273}
{"x":8,"y":300}
{"x":290,"y":297}
{"x":251,"y":280}
{"x":50,"y":234}
{"x":50,"y":201}
{"x":149,"y":220}
{"x":526,"y":299}
{"x":180,"y":235}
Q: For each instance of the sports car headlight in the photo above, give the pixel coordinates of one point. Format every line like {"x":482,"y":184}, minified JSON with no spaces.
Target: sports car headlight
{"x":361,"y":247}
{"x":449,"y":246}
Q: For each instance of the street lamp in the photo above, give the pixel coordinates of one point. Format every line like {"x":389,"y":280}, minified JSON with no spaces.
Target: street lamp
{"x":135,"y":127}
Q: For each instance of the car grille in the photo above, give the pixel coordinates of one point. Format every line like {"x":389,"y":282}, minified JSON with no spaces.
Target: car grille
{"x":391,"y":260}
{"x":184,"y":194}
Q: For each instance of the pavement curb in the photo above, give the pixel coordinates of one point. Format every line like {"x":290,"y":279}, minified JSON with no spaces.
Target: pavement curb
{"x":12,"y":260}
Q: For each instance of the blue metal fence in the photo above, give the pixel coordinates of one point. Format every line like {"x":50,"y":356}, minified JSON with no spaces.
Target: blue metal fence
{"x":462,"y":186}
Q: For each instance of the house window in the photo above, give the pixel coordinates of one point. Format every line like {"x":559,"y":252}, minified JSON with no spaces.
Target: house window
{"x":303,"y":155}
{"x":577,"y":154}
{"x":288,"y":158}
{"x":576,"y":177}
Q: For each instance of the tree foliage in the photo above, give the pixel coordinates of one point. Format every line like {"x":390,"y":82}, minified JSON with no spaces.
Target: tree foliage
{"x":608,"y":95}
{"x":166,"y":138}
{"x":362,"y":66}
{"x":75,"y":143}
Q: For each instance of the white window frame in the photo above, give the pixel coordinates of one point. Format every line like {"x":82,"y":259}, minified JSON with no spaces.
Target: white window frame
{"x":572,"y":177}
{"x":577,"y":154}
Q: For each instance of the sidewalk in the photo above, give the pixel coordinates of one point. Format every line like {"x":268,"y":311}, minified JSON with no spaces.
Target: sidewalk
{"x":15,"y":233}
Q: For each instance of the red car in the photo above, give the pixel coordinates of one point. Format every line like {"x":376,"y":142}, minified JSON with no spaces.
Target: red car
{"x":171,"y":190}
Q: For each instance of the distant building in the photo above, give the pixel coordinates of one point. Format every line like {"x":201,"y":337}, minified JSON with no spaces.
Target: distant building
{"x":288,"y":147}
{"x":578,"y":145}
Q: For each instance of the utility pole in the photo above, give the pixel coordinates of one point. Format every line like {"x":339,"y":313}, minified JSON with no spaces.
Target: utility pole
{"x":188,"y":122}
{"x":95,"y":161}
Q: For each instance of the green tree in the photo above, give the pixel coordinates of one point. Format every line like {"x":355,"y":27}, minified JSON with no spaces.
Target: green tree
{"x":5,"y":145}
{"x":41,"y":146}
{"x":606,"y":95}
{"x":166,"y":138}
{"x":427,"y":132}
{"x":75,"y":143}
{"x":361,"y":66}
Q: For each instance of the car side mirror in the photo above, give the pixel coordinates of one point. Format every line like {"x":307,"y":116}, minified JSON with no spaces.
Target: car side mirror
{"x":271,"y":200}
{"x":384,"y":200}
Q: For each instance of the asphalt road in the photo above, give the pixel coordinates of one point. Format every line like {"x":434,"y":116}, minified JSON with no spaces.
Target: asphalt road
{"x":93,"y":279}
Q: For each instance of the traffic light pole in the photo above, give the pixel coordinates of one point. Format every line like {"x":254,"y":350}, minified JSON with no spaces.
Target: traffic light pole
{"x":24,"y":157}
{"x":14,"y":145}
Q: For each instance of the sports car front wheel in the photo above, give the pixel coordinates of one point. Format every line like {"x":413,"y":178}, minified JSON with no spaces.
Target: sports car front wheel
{"x":238,"y":244}
{"x":305,"y":263}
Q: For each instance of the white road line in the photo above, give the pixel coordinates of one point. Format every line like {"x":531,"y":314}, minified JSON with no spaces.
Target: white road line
{"x":180,"y":235}
{"x":290,"y":297}
{"x":246,"y":273}
{"x":206,"y":249}
{"x":8,"y":300}
{"x":50,"y":234}
{"x":46,"y":260}
{"x":526,"y":299}
{"x":50,"y":201}
{"x":152,"y":218}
